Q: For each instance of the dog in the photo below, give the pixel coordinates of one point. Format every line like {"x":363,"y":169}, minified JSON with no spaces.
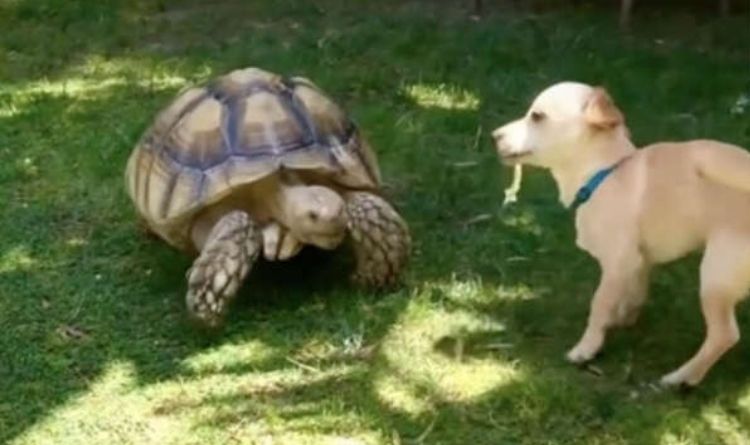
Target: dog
{"x":636,"y":208}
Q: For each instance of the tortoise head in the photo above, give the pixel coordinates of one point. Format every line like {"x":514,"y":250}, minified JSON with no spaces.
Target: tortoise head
{"x":315,"y":215}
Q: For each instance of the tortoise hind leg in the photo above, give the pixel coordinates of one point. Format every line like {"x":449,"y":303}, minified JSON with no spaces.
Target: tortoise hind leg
{"x":380,"y":238}
{"x":227,"y":255}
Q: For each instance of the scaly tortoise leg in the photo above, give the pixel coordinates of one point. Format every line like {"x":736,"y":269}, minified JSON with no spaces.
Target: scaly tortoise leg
{"x":228,"y":254}
{"x":380,"y":238}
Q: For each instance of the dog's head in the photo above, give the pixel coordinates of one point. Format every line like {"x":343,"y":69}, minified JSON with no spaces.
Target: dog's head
{"x":560,"y":122}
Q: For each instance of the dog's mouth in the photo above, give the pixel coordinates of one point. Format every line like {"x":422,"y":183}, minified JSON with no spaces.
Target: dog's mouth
{"x":515,"y":157}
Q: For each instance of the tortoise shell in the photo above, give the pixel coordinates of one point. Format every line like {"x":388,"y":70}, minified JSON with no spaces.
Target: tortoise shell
{"x":238,"y":129}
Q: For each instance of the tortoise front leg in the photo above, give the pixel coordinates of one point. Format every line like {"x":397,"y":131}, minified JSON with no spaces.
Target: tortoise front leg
{"x":380,"y":238}
{"x":228,"y":254}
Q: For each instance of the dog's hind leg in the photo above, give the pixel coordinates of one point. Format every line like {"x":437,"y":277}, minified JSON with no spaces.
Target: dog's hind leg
{"x":725,"y":278}
{"x":724,"y":164}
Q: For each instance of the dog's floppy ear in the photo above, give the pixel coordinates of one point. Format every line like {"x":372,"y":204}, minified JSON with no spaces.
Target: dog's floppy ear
{"x":601,"y":112}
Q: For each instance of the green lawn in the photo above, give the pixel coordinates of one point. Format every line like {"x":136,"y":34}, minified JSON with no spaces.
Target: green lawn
{"x":95,"y":345}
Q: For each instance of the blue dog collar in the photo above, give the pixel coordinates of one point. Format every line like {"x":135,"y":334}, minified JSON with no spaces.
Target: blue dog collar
{"x":588,"y":189}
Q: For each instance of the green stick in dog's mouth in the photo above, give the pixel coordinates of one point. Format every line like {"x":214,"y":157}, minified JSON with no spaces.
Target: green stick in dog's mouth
{"x":511,"y":193}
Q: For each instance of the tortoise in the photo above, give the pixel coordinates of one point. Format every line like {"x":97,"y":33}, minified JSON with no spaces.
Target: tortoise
{"x":255,"y":163}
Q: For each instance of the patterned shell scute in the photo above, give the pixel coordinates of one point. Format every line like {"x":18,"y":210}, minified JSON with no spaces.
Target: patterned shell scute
{"x":238,"y":129}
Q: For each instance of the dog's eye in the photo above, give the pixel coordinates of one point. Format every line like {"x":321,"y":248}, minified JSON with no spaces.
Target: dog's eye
{"x":537,"y":116}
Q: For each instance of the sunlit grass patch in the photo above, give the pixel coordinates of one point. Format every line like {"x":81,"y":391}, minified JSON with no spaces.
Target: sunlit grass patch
{"x":426,"y":360}
{"x":731,"y":429}
{"x":111,"y":412}
{"x":447,"y":97}
{"x":94,"y":76}
{"x":254,"y":405}
{"x":8,"y":110}
{"x":15,"y":259}
{"x":284,"y":404}
{"x":243,"y":355}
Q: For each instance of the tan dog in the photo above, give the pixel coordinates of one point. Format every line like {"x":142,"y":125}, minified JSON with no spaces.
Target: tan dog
{"x":656,"y":205}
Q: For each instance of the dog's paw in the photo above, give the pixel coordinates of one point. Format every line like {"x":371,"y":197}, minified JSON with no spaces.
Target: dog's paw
{"x":677,"y":380}
{"x":580,"y":354}
{"x":671,"y":380}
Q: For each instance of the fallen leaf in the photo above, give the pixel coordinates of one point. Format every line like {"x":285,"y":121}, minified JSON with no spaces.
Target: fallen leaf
{"x":72,"y":332}
{"x":477,"y":219}
{"x":594,"y":370}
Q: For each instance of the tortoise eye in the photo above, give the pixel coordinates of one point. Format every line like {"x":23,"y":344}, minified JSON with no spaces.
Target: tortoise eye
{"x":537,"y":116}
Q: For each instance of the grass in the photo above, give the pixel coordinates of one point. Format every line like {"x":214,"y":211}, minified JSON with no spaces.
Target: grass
{"x":95,"y":347}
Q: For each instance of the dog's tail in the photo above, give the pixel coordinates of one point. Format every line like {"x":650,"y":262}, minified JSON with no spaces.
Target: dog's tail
{"x":731,"y":167}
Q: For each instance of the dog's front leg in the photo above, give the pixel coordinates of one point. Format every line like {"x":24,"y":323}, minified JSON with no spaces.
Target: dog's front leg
{"x":601,"y":316}
{"x":629,"y":307}
{"x":621,"y":286}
